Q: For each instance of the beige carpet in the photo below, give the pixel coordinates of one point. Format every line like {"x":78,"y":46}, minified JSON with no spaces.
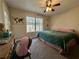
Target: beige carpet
{"x":41,"y":51}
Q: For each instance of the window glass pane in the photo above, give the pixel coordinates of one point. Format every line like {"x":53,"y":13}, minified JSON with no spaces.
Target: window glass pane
{"x":41,"y":27}
{"x":37,"y":27}
{"x":30,"y":28}
{"x":33,"y":28}
{"x":34,"y":24}
{"x":39,"y":20}
{"x":39,"y":24}
{"x":29,"y":19}
{"x":30,"y":24}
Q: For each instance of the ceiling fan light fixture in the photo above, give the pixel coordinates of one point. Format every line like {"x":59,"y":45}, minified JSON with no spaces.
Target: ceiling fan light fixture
{"x":49,"y":6}
{"x":48,"y":9}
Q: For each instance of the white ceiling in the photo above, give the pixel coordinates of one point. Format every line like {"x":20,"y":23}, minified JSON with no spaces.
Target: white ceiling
{"x":32,"y":5}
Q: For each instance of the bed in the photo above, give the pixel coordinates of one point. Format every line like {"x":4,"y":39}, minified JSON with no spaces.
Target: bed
{"x":58,"y":38}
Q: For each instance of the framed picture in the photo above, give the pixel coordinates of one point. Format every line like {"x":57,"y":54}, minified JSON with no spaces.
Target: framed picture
{"x":18,"y":19}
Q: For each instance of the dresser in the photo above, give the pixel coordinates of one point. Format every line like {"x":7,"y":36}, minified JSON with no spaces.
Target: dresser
{"x":5,"y":48}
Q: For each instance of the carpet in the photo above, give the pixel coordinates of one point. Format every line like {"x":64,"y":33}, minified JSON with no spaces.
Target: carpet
{"x":41,"y":51}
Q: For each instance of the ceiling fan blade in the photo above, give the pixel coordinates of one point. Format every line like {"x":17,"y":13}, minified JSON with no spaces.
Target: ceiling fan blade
{"x":46,"y":3}
{"x":58,"y":4}
{"x":44,"y":11}
{"x":53,"y":9}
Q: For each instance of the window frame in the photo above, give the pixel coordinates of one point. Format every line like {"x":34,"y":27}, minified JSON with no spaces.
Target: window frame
{"x":35,"y":23}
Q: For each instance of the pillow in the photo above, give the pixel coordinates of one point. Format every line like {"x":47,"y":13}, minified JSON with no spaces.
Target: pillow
{"x":63,"y":29}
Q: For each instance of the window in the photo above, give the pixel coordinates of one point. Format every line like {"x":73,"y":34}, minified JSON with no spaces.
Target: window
{"x":39,"y":24}
{"x":34,"y":24}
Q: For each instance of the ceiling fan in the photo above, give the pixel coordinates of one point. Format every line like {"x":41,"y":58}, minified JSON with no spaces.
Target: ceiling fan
{"x":49,"y":5}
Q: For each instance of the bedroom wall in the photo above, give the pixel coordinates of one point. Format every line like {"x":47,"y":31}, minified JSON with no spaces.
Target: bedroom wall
{"x":20,"y":28}
{"x":68,"y":19}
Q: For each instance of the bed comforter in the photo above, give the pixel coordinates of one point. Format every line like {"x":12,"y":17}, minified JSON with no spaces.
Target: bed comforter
{"x":57,"y":37}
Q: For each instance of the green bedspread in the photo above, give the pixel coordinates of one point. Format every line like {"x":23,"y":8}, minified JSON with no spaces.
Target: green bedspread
{"x":56,"y":37}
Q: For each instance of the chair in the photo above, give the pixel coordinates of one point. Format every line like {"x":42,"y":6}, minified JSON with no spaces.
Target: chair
{"x":13,"y":54}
